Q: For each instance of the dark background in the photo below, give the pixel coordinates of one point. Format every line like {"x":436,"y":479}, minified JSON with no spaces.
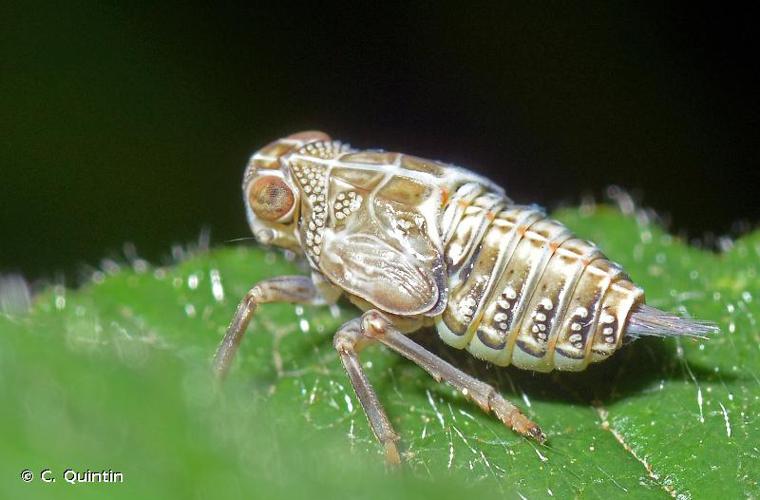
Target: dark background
{"x":134,"y":122}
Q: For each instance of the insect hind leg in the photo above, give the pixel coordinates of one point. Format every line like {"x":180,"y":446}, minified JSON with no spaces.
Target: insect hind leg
{"x":376,"y":326}
{"x":294,"y":289}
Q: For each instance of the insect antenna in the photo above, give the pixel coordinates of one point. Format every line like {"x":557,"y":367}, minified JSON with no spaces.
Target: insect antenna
{"x":649,"y":321}
{"x":245,"y":238}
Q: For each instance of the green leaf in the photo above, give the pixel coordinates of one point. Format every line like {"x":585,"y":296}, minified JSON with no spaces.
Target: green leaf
{"x":116,"y":376}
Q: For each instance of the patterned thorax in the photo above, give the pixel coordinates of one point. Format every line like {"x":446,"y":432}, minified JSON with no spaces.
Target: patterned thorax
{"x":369,"y":222}
{"x":419,"y":238}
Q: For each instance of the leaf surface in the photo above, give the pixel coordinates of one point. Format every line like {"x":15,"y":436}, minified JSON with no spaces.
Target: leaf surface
{"x":116,"y":375}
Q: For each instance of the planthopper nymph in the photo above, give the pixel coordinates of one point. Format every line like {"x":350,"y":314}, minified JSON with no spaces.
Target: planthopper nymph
{"x":418,"y":243}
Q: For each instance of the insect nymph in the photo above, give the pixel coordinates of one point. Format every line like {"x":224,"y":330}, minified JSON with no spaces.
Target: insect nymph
{"x":415,"y":243}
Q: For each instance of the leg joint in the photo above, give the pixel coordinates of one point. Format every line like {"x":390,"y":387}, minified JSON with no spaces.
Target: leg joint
{"x":374,"y":324}
{"x":347,"y":338}
{"x":254,"y":295}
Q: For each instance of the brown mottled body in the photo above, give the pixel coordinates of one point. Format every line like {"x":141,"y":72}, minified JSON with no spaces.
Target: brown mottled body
{"x":522,"y":289}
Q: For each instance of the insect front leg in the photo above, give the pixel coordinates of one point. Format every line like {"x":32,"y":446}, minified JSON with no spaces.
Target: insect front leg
{"x":294,"y":289}
{"x":348,"y":341}
{"x":375,"y":325}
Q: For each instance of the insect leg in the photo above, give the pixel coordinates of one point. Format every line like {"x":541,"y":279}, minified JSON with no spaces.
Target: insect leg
{"x":375,"y":325}
{"x":295,"y":289}
{"x":348,"y":341}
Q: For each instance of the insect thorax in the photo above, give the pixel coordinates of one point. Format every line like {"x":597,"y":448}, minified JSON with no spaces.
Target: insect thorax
{"x":370,"y":222}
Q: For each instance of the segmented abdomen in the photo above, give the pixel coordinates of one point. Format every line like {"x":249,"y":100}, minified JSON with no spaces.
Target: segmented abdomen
{"x":524,"y":290}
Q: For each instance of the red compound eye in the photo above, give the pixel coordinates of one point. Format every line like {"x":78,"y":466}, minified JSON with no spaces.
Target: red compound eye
{"x":270,"y":198}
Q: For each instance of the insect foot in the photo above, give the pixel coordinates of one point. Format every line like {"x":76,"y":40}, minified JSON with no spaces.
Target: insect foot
{"x":511,"y":416}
